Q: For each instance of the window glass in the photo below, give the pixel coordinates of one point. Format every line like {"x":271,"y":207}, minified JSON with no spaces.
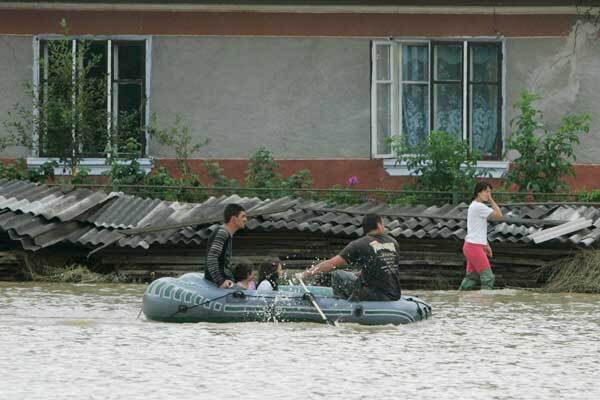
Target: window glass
{"x":131,"y":60}
{"x":448,"y":108}
{"x":415,"y":64}
{"x":415,"y":111}
{"x":448,"y":62}
{"x":484,"y":119}
{"x":384,"y":119}
{"x":484,"y":62}
{"x":382,"y":54}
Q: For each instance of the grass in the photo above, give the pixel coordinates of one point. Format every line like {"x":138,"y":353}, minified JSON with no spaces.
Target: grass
{"x":580,"y":273}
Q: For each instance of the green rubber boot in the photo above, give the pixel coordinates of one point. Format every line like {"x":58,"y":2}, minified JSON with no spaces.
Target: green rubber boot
{"x":470,"y":281}
{"x":487,"y":278}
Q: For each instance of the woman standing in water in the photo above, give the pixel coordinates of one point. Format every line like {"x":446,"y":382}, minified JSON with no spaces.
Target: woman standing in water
{"x":476,"y":248}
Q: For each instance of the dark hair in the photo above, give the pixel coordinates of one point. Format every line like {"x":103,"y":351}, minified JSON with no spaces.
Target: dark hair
{"x":268,"y":271}
{"x":480,"y":187}
{"x":241,"y":271}
{"x":370,"y":222}
{"x":232,"y":210}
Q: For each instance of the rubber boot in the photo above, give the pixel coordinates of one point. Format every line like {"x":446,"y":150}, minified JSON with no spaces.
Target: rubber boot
{"x":487,"y":278}
{"x":470,"y":281}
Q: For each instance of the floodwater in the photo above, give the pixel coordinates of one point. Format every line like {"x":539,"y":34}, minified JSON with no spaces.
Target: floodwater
{"x":64,"y":341}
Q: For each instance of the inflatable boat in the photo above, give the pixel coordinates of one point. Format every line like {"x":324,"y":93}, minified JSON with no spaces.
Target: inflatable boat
{"x":191,"y":298}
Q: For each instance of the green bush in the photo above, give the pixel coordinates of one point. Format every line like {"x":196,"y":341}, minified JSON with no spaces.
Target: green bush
{"x":180,"y":138}
{"x":591,"y":197}
{"x":219,"y":180}
{"x":18,"y":170}
{"x":124,"y":166}
{"x":442,"y":163}
{"x":543,"y":160}
{"x":262,"y":173}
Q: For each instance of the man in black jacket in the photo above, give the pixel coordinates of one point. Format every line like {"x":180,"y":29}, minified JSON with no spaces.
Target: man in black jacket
{"x":219,"y":247}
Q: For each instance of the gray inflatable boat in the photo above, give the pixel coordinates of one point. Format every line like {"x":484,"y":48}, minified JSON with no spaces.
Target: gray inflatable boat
{"x":191,"y":298}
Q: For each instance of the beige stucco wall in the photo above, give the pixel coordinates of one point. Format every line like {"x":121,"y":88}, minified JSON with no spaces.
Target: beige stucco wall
{"x":299,"y":97}
{"x":566,"y":73}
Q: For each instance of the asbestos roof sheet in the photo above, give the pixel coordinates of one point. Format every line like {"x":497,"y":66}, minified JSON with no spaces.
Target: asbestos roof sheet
{"x":49,"y":202}
{"x":39,"y":216}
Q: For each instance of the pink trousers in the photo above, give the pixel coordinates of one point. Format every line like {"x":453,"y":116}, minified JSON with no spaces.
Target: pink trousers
{"x":477,"y":260}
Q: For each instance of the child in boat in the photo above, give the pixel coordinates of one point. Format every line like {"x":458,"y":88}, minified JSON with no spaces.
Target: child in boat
{"x":269,"y":274}
{"x":242,"y":274}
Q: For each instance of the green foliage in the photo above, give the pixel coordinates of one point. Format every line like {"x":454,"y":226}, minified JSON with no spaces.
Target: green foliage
{"x":443,"y":163}
{"x":543,"y":160}
{"x":215,"y":173}
{"x":18,"y":170}
{"x":261,"y":170}
{"x":125,"y":168}
{"x":69,"y":118}
{"x":262,"y":173}
{"x":591,"y":197}
{"x":341,"y":195}
{"x":301,"y":179}
{"x":180,"y":138}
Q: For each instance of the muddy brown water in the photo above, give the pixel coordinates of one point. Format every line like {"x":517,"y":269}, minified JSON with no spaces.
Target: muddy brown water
{"x":83,"y":341}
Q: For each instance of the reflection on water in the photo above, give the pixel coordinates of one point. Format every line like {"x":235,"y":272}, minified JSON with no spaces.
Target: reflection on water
{"x":62,"y":341}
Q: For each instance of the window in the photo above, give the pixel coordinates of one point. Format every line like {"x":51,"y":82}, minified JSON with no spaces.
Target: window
{"x":116,"y":109}
{"x":427,"y":85}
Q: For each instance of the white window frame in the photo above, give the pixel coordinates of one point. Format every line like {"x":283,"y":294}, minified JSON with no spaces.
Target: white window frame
{"x":396,"y":101}
{"x":96,"y":165}
{"x":393,"y":95}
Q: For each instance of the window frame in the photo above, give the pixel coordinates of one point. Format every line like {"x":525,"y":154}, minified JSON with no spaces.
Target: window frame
{"x":97,"y":164}
{"x":397,"y":84}
{"x":393,"y":97}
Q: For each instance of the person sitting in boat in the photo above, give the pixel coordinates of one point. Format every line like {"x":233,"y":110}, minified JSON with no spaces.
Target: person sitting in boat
{"x":242,"y":273}
{"x":378,"y":256}
{"x":218,"y":250}
{"x":269,"y":273}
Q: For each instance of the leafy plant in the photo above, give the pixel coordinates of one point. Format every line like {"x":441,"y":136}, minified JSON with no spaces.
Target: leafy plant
{"x":442,"y":163}
{"x":591,"y":197}
{"x":179,"y":137}
{"x":125,"y":168}
{"x":215,"y":173}
{"x":18,"y":170}
{"x":543,"y":160}
{"x":261,"y":172}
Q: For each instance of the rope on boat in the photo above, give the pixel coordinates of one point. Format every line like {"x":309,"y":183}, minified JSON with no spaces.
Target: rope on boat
{"x":184,"y":308}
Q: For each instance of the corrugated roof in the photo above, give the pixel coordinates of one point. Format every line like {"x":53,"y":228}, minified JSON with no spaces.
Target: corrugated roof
{"x":39,"y":216}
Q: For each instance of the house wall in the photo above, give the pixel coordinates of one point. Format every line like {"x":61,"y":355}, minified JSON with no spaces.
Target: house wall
{"x":301,"y":98}
{"x":299,"y":83}
{"x":564,"y":72}
{"x":16,"y":59}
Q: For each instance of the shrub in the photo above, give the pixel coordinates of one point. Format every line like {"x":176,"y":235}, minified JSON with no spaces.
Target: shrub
{"x":543,"y":160}
{"x":442,"y":163}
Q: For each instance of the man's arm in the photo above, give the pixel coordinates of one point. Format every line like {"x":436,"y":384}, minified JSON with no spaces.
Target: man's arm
{"x":212,"y":257}
{"x":325,"y":266}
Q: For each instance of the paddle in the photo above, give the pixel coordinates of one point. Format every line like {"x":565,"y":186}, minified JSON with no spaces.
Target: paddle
{"x":311,"y":297}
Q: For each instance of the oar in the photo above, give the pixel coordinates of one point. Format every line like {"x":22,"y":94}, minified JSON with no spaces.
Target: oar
{"x":314,"y":302}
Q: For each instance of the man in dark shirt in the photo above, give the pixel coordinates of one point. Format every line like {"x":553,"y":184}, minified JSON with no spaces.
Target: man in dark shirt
{"x":219,"y":247}
{"x":377,"y":255}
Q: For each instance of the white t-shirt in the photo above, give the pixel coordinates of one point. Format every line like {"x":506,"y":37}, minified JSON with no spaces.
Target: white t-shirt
{"x":265,"y":286}
{"x":477,"y":223}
